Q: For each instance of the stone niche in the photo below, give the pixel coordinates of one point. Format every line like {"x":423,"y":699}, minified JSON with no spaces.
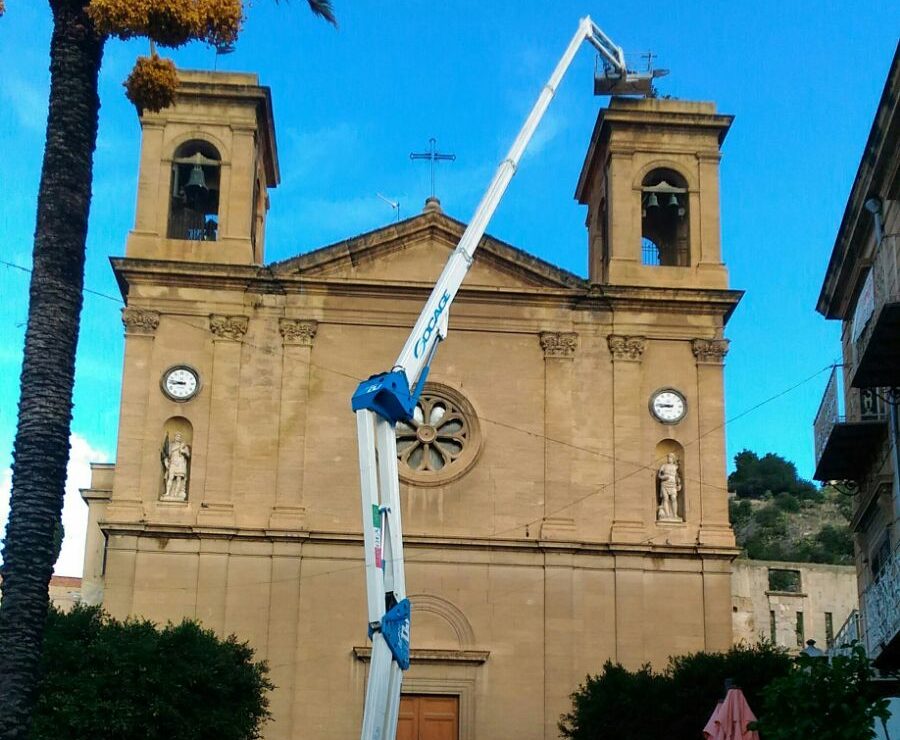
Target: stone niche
{"x":177,"y":431}
{"x":667,"y":510}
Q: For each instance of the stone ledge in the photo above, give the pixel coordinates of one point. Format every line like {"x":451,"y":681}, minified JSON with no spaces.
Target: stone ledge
{"x":418,"y":542}
{"x":426,"y":655}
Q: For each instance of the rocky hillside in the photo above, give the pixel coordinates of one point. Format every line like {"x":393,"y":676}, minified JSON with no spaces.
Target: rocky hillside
{"x":811,"y":529}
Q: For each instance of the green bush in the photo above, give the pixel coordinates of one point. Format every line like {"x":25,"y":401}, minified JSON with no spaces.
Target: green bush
{"x":739,"y":511}
{"x":770,"y":517}
{"x":762,"y":547}
{"x":787,"y":502}
{"x":836,"y":544}
{"x":674,"y":704}
{"x":109,"y":680}
{"x":821,"y":699}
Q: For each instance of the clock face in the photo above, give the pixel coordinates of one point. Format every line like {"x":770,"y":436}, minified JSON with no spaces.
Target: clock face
{"x":180,"y":383}
{"x":668,"y":406}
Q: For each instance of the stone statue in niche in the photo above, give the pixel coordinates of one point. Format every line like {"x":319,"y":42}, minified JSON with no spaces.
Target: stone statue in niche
{"x":174,"y":458}
{"x":669,"y":487}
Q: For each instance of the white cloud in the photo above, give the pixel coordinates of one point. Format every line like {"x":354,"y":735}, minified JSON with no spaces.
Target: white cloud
{"x":552,"y":125}
{"x":78,"y":476}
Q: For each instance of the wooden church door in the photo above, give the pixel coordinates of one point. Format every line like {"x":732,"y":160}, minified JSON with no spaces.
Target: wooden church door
{"x":428,"y":717}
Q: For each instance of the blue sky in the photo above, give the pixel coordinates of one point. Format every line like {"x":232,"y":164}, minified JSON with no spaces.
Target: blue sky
{"x":802,"y":79}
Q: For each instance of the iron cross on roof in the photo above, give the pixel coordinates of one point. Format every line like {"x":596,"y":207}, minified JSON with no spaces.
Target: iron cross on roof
{"x":434,"y":156}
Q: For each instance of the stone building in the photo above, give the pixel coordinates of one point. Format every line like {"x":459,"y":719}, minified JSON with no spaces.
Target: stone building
{"x":856,"y":428}
{"x":64,"y":591}
{"x":564,"y":479}
{"x":790,"y":603}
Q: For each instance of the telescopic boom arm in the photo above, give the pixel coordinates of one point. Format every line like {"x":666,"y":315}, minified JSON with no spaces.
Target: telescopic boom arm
{"x":383,"y":400}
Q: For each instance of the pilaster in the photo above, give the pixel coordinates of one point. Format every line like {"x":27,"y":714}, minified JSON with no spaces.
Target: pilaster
{"x":715,"y":529}
{"x":140,"y":330}
{"x":216,"y":508}
{"x":629,"y":601}
{"x":559,"y":353}
{"x":629,"y":510}
{"x":297,"y":336}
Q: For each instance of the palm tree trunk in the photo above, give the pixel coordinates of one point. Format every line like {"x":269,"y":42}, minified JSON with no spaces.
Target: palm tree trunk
{"x":41,"y":449}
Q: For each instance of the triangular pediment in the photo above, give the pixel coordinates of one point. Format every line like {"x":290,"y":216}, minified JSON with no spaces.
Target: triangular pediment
{"x":415,"y":251}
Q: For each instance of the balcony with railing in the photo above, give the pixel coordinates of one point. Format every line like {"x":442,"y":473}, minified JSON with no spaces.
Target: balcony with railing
{"x":849,"y":633}
{"x":848,"y":429}
{"x":881,"y":611}
{"x":876,"y":321}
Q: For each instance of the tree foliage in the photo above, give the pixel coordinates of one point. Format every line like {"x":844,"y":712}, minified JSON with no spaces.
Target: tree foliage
{"x":111,"y":680}
{"x":826,"y":700}
{"x":754,"y":476}
{"x":779,"y":516}
{"x":674,"y":703}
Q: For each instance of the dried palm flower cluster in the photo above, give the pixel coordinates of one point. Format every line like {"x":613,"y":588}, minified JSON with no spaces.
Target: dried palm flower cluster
{"x":152,"y":83}
{"x":169,"y":22}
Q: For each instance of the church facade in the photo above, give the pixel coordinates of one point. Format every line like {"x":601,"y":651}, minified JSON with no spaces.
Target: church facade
{"x":563,"y":481}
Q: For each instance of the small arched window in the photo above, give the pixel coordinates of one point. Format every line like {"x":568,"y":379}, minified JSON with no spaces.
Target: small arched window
{"x":194,"y":205}
{"x":665,"y":231}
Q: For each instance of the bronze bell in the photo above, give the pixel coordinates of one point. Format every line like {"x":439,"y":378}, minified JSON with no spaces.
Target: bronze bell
{"x":673,"y":201}
{"x":195,"y":189}
{"x":652,"y":202}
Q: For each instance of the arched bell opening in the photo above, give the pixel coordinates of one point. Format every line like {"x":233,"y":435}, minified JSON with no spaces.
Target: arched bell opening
{"x":665,"y":229}
{"x":194,"y":203}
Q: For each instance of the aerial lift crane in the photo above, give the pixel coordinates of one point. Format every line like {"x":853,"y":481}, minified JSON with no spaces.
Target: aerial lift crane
{"x":384,"y":399}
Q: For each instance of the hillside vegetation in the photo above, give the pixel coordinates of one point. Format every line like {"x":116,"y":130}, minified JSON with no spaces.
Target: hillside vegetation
{"x":778,"y":516}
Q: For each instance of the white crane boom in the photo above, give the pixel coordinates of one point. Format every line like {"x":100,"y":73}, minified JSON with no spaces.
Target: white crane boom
{"x":384,"y":399}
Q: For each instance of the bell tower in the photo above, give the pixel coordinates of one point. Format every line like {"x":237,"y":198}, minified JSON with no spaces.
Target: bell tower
{"x":207,"y":163}
{"x":651,"y":184}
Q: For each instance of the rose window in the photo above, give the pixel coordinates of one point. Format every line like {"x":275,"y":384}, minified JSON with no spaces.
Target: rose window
{"x":441,"y":440}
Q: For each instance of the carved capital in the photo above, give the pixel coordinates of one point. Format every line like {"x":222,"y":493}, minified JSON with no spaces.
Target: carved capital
{"x":559,"y":344}
{"x":228,"y":327}
{"x":298,"y":331}
{"x":710,"y":350}
{"x":139,"y":320}
{"x":626,"y":348}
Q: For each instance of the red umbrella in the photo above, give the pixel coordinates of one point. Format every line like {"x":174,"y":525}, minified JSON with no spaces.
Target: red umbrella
{"x":730,"y":719}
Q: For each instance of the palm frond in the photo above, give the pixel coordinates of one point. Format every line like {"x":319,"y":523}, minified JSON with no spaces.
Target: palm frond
{"x":323,"y":9}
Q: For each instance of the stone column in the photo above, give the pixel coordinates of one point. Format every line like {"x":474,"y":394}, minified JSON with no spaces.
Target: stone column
{"x":297,"y":337}
{"x":712,"y":496}
{"x":629,"y":498}
{"x":140,"y":328}
{"x":559,"y":351}
{"x":216,"y":508}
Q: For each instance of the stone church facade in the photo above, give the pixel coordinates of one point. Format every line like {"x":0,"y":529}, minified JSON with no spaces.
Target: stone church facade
{"x":563,"y":482}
